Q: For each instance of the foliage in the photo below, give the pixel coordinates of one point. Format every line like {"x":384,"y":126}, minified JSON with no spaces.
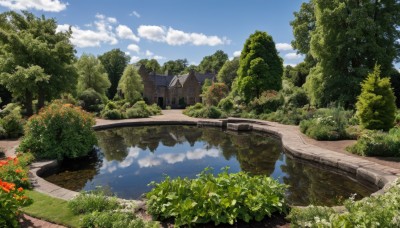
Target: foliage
{"x":113,"y":114}
{"x":342,"y":62}
{"x":36,"y":59}
{"x":269,"y":101}
{"x":215,"y":93}
{"x":174,"y":67}
{"x":11,"y":122}
{"x":15,"y":170}
{"x":225,"y":198}
{"x":92,"y":75}
{"x":200,"y":111}
{"x":291,"y":116}
{"x":260,"y":67}
{"x":228,"y":72}
{"x":375,"y":211}
{"x":150,"y":65}
{"x":327,"y":124}
{"x":378,"y":143}
{"x":213,"y":63}
{"x":13,"y":180}
{"x":376,"y":107}
{"x":298,"y":74}
{"x":298,"y":98}
{"x":97,"y":200}
{"x":131,"y":85}
{"x":11,"y":200}
{"x":114,"y":62}
{"x":51,"y":209}
{"x":141,"y":110}
{"x":59,"y":131}
{"x":115,"y":219}
{"x":226,"y":104}
{"x":90,"y":100}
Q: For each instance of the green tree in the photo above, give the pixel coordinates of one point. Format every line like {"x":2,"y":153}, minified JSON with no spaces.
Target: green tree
{"x":298,"y":74}
{"x":151,"y":65}
{"x":23,"y":83}
{"x":260,"y":67}
{"x":131,"y":84}
{"x":350,"y":37}
{"x":114,"y":62}
{"x":213,"y":63}
{"x":28,"y":44}
{"x":174,"y":67}
{"x":228,"y":72}
{"x":92,"y":75}
{"x":376,"y":107}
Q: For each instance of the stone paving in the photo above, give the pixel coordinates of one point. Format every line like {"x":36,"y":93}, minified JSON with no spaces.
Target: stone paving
{"x":378,"y":172}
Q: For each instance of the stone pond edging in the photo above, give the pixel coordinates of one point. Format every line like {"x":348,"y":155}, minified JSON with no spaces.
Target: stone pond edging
{"x":381,"y":176}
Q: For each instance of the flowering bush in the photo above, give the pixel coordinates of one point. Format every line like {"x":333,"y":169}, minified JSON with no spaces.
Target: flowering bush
{"x":59,"y":131}
{"x":15,"y":170}
{"x":11,"y":200}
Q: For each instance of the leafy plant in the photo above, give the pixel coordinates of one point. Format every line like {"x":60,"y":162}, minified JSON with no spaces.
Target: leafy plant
{"x":200,"y":111}
{"x":224,"y":198}
{"x":97,"y":200}
{"x":59,"y":131}
{"x":378,"y":143}
{"x":268,"y":102}
{"x":115,"y":219}
{"x":15,"y":170}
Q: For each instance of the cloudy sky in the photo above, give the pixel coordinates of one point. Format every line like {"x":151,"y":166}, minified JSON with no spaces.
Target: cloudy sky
{"x":168,"y":30}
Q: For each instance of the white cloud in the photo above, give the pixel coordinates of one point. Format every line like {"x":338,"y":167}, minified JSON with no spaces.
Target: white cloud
{"x":237,"y":53}
{"x":149,"y":161}
{"x":152,"y":32}
{"x":283,"y":47}
{"x":173,"y":158}
{"x":293,"y":55}
{"x":124,"y":32}
{"x":290,"y":64}
{"x":201,"y":153}
{"x":112,"y":20}
{"x":43,"y":5}
{"x":101,"y":33}
{"x":133,"y":153}
{"x":158,"y":57}
{"x":134,"y":59}
{"x":177,"y":37}
{"x":134,"y":13}
{"x":134,"y":48}
{"x":149,"y":53}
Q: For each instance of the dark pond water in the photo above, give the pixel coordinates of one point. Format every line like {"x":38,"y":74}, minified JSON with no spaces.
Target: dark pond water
{"x":130,"y":158}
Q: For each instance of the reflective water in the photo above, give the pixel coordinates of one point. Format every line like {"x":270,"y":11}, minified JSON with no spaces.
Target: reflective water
{"x":130,"y":158}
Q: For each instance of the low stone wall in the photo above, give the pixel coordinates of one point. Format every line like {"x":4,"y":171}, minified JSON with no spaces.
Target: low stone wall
{"x":373,"y":173}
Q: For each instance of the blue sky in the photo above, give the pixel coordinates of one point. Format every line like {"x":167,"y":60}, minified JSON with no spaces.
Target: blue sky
{"x":168,"y":30}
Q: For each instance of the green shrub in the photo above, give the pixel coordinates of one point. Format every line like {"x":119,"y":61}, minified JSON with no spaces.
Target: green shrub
{"x":59,"y":131}
{"x":12,"y":123}
{"x":112,"y":114}
{"x":15,"y":170}
{"x":226,"y":104}
{"x":376,"y":105}
{"x":225,"y":198}
{"x":291,"y":116}
{"x":397,"y":118}
{"x":154,"y":109}
{"x":97,"y":200}
{"x":327,"y":124}
{"x":3,"y":132}
{"x":90,"y":100}
{"x":115,"y":219}
{"x":200,"y":111}
{"x":110,"y":106}
{"x":378,"y":143}
{"x":375,"y":211}
{"x":268,"y":102}
{"x":298,"y":98}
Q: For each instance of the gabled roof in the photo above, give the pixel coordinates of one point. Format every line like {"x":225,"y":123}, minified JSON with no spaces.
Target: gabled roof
{"x":161,"y":80}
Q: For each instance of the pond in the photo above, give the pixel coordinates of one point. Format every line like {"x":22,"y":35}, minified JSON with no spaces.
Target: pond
{"x":129,"y":158}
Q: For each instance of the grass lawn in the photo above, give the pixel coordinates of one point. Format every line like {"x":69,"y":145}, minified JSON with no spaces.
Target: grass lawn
{"x":50,"y":209}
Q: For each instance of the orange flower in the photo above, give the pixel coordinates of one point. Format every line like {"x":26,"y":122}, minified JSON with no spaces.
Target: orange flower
{"x":24,"y":179}
{"x":6,"y":189}
{"x":20,"y":189}
{"x":18,"y":171}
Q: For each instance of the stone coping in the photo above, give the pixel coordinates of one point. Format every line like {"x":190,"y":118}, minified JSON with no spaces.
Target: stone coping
{"x":366,"y":171}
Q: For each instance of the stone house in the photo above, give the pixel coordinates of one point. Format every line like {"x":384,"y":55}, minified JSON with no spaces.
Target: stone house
{"x":173,"y":90}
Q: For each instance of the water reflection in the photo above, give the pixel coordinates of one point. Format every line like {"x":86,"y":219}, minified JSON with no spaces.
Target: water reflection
{"x":130,"y":158}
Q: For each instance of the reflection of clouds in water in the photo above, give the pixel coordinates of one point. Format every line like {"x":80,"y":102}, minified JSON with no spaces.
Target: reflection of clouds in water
{"x":201,"y":153}
{"x":132,"y":155}
{"x":149,"y":161}
{"x":156,"y":160}
{"x":173,"y":158}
